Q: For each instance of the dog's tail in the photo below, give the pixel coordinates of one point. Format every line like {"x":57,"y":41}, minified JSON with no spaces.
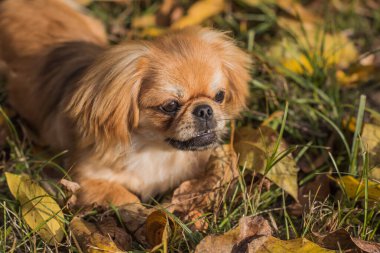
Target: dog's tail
{"x":27,"y":27}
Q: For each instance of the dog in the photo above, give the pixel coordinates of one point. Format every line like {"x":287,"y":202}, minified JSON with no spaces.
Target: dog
{"x":137,"y":118}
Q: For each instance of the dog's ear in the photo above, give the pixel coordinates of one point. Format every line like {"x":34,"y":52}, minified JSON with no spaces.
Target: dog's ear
{"x":236,"y":65}
{"x":105,"y":104}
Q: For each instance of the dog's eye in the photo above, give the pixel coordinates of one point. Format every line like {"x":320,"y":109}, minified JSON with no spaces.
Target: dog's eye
{"x":170,"y":107}
{"x":219,"y":97}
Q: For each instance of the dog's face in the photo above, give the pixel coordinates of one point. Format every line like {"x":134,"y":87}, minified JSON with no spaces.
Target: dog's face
{"x":184,"y":102}
{"x":180,"y":89}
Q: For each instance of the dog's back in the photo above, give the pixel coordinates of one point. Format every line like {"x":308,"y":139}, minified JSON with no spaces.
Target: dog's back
{"x":29,"y":26}
{"x":45,"y":45}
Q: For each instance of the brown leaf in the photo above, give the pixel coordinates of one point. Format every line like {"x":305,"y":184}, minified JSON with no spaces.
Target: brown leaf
{"x":133,"y":217}
{"x":70,"y":188}
{"x":108,"y":227}
{"x":202,"y":193}
{"x":369,"y":247}
{"x":315,"y":190}
{"x":89,"y":238}
{"x":341,"y":240}
{"x":199,"y":221}
{"x":236,"y":240}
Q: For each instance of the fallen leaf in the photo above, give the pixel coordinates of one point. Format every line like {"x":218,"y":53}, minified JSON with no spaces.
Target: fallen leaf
{"x":153,"y":31}
{"x":70,"y":188}
{"x":236,"y":240}
{"x":255,"y":3}
{"x":159,"y":227}
{"x":369,"y":247}
{"x":202,"y":193}
{"x":199,"y":221}
{"x":339,"y":239}
{"x":295,"y":9}
{"x":199,"y":12}
{"x":108,"y":227}
{"x":342,"y":240}
{"x":371,"y":141}
{"x":144,"y":21}
{"x":83,"y":2}
{"x":354,"y":76}
{"x":89,"y":238}
{"x":134,"y":217}
{"x":317,"y":189}
{"x":255,"y":146}
{"x":355,"y":188}
{"x":40,"y":211}
{"x":311,"y":46}
{"x":274,"y":245}
{"x":349,"y":124}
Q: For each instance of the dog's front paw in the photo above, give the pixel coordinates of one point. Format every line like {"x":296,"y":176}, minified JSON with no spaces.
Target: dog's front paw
{"x":104,"y":193}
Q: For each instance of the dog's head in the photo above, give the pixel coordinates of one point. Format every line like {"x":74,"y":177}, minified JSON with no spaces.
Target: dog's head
{"x":180,"y":89}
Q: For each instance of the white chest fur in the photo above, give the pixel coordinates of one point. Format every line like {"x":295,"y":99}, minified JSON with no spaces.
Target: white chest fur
{"x":152,"y":169}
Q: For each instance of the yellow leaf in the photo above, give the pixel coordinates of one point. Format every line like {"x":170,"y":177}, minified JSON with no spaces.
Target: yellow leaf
{"x":39,"y":210}
{"x":311,"y":47}
{"x":153,"y":31}
{"x":199,"y":12}
{"x":144,"y":21}
{"x":271,"y":244}
{"x":255,"y":146}
{"x":83,"y":2}
{"x":349,"y":123}
{"x":354,"y":188}
{"x":255,"y":3}
{"x":371,"y":142}
{"x":297,"y":10}
{"x":90,"y":239}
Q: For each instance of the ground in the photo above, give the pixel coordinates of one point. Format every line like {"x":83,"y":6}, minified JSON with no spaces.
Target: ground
{"x":313,"y":116}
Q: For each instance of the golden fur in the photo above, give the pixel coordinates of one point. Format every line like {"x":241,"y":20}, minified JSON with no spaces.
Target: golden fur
{"x":106,"y":105}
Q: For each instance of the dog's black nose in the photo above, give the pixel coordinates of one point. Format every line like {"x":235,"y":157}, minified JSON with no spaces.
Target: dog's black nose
{"x":203,"y":112}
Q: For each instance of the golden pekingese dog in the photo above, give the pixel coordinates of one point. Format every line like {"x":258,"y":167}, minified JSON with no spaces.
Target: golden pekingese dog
{"x":137,"y":118}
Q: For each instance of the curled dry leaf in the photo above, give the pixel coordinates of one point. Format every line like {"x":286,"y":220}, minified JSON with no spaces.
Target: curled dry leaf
{"x":255,"y":146}
{"x":199,"y":12}
{"x":341,"y":240}
{"x":40,"y":211}
{"x":201,"y":194}
{"x":236,"y":240}
{"x":159,"y":227}
{"x":71,"y":188}
{"x":90,"y":239}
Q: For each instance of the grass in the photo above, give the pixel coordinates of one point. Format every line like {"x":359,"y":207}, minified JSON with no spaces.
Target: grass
{"x":313,"y":105}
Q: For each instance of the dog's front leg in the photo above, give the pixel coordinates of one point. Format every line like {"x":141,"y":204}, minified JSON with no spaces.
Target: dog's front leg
{"x":104,"y":193}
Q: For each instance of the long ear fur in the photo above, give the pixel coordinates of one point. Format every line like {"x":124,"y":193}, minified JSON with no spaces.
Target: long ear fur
{"x":105,"y":104}
{"x":236,"y":65}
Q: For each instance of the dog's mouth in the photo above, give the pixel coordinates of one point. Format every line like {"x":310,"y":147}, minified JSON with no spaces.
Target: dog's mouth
{"x":200,"y":142}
